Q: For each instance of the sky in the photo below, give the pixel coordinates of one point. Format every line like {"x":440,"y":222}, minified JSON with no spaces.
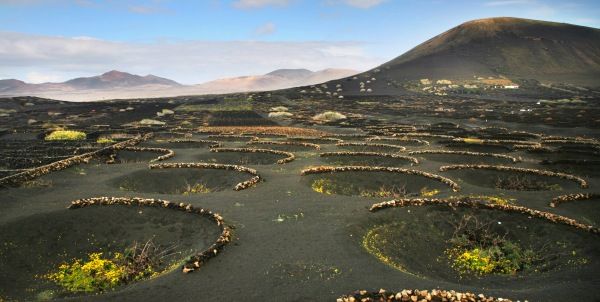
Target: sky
{"x":196,"y":41}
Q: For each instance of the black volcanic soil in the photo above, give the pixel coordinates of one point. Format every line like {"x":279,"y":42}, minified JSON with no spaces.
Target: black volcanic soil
{"x":290,"y":243}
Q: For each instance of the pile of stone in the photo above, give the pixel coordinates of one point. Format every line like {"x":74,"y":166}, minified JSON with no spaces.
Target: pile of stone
{"x":414,"y":160}
{"x":195,"y":261}
{"x":167,"y":153}
{"x":234,"y":136}
{"x":240,"y":186}
{"x":398,"y":139}
{"x":571,"y":141}
{"x":473,"y":202}
{"x":210,"y":143}
{"x":573,"y":197}
{"x":496,"y":155}
{"x":581,"y":181}
{"x":288,"y":155}
{"x":415,"y":295}
{"x":309,"y":145}
{"x":534,"y":148}
{"x":399,"y":148}
{"x":425,"y":134}
{"x":327,"y":139}
{"x":330,"y":169}
{"x":498,"y":142}
{"x":568,"y":138}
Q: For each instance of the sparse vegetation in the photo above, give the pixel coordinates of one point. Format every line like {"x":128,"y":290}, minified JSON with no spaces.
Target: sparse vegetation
{"x":280,"y":114}
{"x":329,"y":116}
{"x":65,"y":135}
{"x":476,"y":248}
{"x":524,"y":183}
{"x":198,"y":188}
{"x":105,"y":140}
{"x":98,"y":273}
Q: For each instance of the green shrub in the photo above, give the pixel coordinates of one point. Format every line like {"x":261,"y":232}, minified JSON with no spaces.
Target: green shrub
{"x":96,"y":274}
{"x":105,"y":140}
{"x":475,"y":248}
{"x":100,"y":274}
{"x":69,"y":135}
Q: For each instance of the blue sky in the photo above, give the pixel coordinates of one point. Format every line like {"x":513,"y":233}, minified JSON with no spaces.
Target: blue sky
{"x":196,"y":41}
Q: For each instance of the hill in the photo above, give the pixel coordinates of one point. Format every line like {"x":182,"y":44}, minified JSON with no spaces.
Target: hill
{"x":505,"y":49}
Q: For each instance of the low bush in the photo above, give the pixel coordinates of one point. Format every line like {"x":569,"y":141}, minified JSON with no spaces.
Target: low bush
{"x":100,"y":274}
{"x":524,"y":183}
{"x":475,"y":247}
{"x":65,"y":135}
{"x":105,"y":140}
{"x":329,"y":116}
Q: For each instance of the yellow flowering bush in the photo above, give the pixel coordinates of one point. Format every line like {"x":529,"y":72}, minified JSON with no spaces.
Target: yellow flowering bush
{"x":105,"y":140}
{"x":474,"y":260}
{"x":426,"y":192}
{"x":96,"y":274}
{"x":324,"y":186}
{"x":61,"y":135}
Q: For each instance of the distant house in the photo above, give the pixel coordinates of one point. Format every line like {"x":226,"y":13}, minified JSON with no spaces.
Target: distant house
{"x":511,"y":86}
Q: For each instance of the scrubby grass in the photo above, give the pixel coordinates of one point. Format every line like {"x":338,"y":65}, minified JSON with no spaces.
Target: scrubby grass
{"x":472,"y":140}
{"x":280,"y":114}
{"x":426,"y":192}
{"x":198,"y":188}
{"x":95,"y":274}
{"x":476,"y":248}
{"x":105,"y":140}
{"x":98,"y":273}
{"x":329,"y":116}
{"x":65,"y":135}
{"x":524,"y":183}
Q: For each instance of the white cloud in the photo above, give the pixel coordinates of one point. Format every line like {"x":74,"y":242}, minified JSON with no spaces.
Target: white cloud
{"x":508,"y":2}
{"x":259,"y":3}
{"x":266,"y":29}
{"x":359,"y":3}
{"x":188,"y":62}
{"x":38,"y":77}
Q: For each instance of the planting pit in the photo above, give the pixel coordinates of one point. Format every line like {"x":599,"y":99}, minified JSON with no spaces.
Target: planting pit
{"x":479,"y":147}
{"x":367,"y":159}
{"x":315,"y":140}
{"x":583,"y":167}
{"x":398,"y":140}
{"x":370,"y":147}
{"x":464,"y":157}
{"x":129,"y":156}
{"x":285,"y":146}
{"x":241,"y":158}
{"x":585,"y":206}
{"x":181,"y":144}
{"x":36,"y":245}
{"x":375,"y":183}
{"x":232,"y":138}
{"x":513,"y":179}
{"x":179,"y":181}
{"x":416,"y":240}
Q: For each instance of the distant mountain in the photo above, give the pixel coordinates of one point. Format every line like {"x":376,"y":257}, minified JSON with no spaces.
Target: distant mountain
{"x":11,"y":84}
{"x":117,"y":84}
{"x":278,"y":79}
{"x":114,"y":79}
{"x":291,"y":73}
{"x":109,"y":80}
{"x":511,"y":48}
